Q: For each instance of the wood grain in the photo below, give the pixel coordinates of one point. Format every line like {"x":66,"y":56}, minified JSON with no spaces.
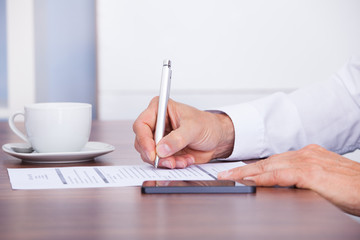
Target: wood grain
{"x":124,"y":213}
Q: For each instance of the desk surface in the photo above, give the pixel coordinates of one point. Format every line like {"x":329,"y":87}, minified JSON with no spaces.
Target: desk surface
{"x":124,"y":213}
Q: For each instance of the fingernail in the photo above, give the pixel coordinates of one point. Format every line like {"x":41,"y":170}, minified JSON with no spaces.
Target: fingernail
{"x":150,"y":155}
{"x":180,"y":164}
{"x":166,"y":164}
{"x":190,"y":161}
{"x":163,"y":150}
{"x":224,"y":174}
{"x":248,"y":178}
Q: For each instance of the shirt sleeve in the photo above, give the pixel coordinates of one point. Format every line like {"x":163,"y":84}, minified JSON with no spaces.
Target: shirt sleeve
{"x":325,"y":113}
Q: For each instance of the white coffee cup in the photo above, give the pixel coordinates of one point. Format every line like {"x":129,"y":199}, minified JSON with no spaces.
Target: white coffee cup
{"x":55,"y":127}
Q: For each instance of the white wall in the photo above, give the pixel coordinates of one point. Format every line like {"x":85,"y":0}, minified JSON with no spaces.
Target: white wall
{"x":3,"y":50}
{"x":65,"y":51}
{"x":48,"y":54}
{"x":223,"y":51}
{"x":20,"y":56}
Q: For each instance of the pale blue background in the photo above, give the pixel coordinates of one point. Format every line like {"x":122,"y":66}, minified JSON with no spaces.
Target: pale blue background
{"x":3,"y":71}
{"x":65,"y":51}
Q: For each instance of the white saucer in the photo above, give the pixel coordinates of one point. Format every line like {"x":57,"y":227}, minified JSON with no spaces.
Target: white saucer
{"x":88,"y":153}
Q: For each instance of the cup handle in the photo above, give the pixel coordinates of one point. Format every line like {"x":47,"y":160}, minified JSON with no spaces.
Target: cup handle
{"x":15,"y":129}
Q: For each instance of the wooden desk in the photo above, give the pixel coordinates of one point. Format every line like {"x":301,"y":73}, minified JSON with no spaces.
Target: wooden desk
{"x":124,"y":213}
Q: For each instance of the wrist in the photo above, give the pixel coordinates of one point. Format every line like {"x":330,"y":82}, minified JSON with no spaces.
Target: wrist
{"x":227,"y":136}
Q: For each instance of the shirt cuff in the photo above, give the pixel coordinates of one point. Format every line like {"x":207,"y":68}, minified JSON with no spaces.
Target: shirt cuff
{"x":249,"y":131}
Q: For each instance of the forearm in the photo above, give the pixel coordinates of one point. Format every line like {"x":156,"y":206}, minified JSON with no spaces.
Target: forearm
{"x":326,"y":113}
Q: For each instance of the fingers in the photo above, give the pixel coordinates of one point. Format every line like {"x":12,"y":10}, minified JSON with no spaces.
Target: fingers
{"x":146,"y":151}
{"x":180,"y":161}
{"x":177,"y":161}
{"x":280,"y":177}
{"x":313,"y":167}
{"x":183,"y":143}
{"x":170,"y":152}
{"x":282,"y":169}
{"x":176,"y":140}
{"x":146,"y":147}
{"x":143,"y":128}
{"x":267,"y":165}
{"x":293,"y":159}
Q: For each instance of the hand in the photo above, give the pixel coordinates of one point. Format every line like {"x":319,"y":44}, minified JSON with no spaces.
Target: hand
{"x":191,"y":136}
{"x":334,"y":177}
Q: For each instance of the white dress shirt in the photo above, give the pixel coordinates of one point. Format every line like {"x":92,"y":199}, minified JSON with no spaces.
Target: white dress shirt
{"x":326,"y":113}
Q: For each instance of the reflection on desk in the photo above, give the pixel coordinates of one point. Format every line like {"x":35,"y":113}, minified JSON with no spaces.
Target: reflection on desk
{"x":124,"y":213}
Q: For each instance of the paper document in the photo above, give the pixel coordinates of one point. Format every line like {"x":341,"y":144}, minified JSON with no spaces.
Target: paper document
{"x":109,"y":176}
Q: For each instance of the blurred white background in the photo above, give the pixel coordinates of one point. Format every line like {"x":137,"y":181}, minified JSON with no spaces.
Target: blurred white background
{"x":223,"y":52}
{"x":109,"y":52}
{"x":47,"y":53}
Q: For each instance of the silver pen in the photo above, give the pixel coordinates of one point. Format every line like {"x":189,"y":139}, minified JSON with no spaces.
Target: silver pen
{"x":163,"y":100}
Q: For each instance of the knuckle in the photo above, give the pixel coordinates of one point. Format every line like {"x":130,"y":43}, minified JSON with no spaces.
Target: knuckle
{"x":276,"y":176}
{"x":310,"y":152}
{"x":262,"y":165}
{"x":171,"y":102}
{"x":154,"y":100}
{"x":135,"y":126}
{"x":313,"y":147}
{"x":307,"y":151}
{"x":139,"y":124}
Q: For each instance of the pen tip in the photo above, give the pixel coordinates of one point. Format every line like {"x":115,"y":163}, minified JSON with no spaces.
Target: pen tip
{"x":156,"y":162}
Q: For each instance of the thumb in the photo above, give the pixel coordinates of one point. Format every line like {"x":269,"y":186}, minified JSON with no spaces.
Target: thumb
{"x":175,"y":141}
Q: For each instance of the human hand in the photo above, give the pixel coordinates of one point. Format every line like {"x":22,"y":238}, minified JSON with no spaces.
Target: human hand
{"x":334,"y":177}
{"x":191,"y":136}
